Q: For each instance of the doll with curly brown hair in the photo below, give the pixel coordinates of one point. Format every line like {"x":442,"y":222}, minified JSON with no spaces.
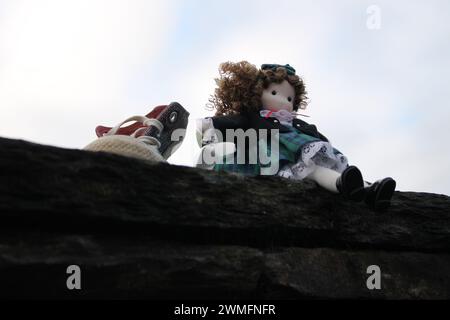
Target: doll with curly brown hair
{"x":268,"y":98}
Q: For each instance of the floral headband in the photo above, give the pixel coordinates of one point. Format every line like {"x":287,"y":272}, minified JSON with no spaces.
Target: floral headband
{"x":274,"y":67}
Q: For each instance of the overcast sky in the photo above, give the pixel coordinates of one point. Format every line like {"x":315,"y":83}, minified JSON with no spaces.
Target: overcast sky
{"x":379,"y":91}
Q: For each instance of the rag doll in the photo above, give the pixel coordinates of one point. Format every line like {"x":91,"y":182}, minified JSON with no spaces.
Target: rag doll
{"x":269,"y":98}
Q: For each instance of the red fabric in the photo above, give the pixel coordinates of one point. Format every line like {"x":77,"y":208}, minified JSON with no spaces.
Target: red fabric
{"x":101,"y":130}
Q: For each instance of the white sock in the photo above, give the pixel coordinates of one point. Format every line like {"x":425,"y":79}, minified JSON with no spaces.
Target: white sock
{"x":326,"y":178}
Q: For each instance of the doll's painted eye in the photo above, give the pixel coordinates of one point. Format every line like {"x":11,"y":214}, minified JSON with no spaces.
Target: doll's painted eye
{"x":289,"y":99}
{"x":274,"y":93}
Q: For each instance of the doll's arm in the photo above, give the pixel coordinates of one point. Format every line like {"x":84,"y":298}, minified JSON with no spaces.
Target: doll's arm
{"x":222,"y":123}
{"x":206,"y":133}
{"x":311,"y":130}
{"x":209,"y":129}
{"x":212,"y":147}
{"x":322,"y":137}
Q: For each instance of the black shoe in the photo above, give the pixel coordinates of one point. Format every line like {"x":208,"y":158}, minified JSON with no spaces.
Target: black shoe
{"x":379,"y":194}
{"x":351,"y":184}
{"x":172,"y":117}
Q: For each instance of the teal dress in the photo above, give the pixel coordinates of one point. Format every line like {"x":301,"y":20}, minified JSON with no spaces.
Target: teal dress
{"x":297,"y":156}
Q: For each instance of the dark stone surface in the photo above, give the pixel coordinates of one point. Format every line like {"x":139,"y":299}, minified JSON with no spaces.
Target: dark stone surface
{"x":144,"y":230}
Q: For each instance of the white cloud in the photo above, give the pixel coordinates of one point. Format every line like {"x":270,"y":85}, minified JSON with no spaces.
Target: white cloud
{"x":66,"y":64}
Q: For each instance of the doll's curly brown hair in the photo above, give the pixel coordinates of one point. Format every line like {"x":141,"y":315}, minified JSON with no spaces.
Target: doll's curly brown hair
{"x":240,"y":86}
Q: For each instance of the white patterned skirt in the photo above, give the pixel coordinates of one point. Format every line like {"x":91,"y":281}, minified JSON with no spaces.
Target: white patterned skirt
{"x":318,"y":153}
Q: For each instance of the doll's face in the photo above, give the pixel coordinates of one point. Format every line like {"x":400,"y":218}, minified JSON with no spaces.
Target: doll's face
{"x":278,"y":96}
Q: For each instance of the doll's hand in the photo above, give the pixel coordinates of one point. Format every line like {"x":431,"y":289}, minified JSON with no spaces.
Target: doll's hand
{"x":206,"y":133}
{"x":286,"y":173}
{"x":214,"y":153}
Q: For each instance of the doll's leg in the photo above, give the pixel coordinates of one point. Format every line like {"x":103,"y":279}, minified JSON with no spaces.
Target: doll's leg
{"x":349,"y":183}
{"x":326,"y":178}
{"x":379,"y":193}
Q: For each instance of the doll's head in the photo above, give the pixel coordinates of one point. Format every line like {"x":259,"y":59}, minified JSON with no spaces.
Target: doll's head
{"x":242,"y":87}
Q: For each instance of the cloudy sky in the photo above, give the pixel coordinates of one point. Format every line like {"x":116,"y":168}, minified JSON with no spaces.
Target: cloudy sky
{"x":377,"y":72}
